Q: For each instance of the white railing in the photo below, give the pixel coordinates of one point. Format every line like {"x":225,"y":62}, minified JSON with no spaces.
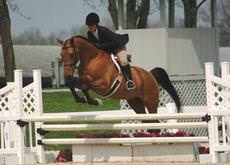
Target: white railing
{"x":13,"y":109}
{"x":218,"y":103}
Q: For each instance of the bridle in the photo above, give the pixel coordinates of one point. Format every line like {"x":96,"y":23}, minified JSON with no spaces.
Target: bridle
{"x":75,"y":60}
{"x":75,"y":56}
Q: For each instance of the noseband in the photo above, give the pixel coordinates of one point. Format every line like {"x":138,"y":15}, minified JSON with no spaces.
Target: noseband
{"x":75,"y":59}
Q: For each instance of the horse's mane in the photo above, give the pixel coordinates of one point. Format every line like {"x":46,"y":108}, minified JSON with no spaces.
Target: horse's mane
{"x":82,"y":37}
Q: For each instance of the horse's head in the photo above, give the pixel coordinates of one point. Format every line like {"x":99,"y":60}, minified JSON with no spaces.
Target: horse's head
{"x":68,"y":56}
{"x":76,"y":49}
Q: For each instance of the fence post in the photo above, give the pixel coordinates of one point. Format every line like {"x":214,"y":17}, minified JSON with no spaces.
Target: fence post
{"x":225,"y":119}
{"x":213,"y":123}
{"x":171,"y":109}
{"x":225,"y":70}
{"x":18,"y":107}
{"x":39,"y":111}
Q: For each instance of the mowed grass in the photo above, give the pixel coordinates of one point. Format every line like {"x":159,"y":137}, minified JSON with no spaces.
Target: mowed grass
{"x":56,"y":102}
{"x":64,"y":102}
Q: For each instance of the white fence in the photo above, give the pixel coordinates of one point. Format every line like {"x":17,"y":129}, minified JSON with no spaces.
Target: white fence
{"x":20,"y":105}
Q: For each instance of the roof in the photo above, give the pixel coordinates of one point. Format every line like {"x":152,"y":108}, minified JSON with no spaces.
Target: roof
{"x":29,"y":57}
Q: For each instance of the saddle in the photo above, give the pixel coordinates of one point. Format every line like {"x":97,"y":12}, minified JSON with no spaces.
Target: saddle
{"x":117,"y":63}
{"x":117,"y":82}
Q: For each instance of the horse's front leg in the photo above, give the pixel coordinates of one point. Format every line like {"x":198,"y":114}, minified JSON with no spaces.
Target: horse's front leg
{"x":91,"y":100}
{"x":85,"y":89}
{"x":77,"y":98}
{"x":71,"y":82}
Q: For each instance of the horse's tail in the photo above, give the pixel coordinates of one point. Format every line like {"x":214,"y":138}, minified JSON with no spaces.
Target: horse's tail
{"x":163,"y":80}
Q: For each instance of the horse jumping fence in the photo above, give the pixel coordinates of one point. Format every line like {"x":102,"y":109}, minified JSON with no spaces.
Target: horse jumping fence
{"x":20,"y":106}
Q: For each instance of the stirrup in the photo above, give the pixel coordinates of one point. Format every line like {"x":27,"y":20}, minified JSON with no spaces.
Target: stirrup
{"x":130,"y":85}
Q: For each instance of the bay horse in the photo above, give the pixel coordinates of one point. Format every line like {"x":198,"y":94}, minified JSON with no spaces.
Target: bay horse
{"x":97,"y":71}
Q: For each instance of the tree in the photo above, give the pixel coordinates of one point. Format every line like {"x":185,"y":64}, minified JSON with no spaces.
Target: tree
{"x":213,"y":13}
{"x":190,"y":12}
{"x":34,"y":36}
{"x":171,"y":13}
{"x":137,"y":12}
{"x":7,"y":44}
{"x":31,"y":36}
{"x":224,"y":23}
{"x":137,"y":15}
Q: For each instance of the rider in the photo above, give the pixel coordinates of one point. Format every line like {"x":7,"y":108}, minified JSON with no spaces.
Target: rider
{"x":110,"y":42}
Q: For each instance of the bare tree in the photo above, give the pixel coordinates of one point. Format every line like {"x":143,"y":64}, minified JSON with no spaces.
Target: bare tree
{"x":171,"y":13}
{"x":224,"y":23}
{"x":113,"y":10}
{"x":143,"y":14}
{"x":213,"y":13}
{"x":7,"y":44}
{"x":137,"y":12}
{"x":190,"y":12}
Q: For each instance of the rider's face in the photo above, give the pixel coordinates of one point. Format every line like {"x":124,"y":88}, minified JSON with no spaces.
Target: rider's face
{"x":92,"y":28}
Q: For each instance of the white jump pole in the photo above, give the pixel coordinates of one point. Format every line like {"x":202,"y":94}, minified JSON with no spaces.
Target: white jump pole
{"x":134,"y":140}
{"x":77,"y":127}
{"x":49,"y":118}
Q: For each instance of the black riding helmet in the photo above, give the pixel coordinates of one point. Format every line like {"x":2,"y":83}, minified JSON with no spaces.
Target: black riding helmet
{"x":92,"y":19}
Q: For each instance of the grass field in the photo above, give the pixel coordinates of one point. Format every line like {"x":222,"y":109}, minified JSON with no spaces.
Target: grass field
{"x":64,"y":102}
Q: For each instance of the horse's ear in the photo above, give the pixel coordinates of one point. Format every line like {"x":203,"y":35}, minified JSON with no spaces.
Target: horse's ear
{"x":61,"y":42}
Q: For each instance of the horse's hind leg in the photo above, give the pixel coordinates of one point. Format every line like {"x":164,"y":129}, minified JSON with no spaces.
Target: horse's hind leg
{"x":151,"y":101}
{"x":151,"y":96}
{"x":137,"y":105}
{"x":151,"y":106}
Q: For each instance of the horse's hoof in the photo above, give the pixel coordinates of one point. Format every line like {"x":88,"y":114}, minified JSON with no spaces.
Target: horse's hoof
{"x":99,"y":101}
{"x":95,"y":102}
{"x":81,"y":100}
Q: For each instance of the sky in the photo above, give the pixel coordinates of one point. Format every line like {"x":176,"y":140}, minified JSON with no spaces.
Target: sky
{"x":58,"y":15}
{"x":52,"y":15}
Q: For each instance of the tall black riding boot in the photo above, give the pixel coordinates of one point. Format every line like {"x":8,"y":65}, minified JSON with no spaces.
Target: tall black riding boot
{"x":128,"y":77}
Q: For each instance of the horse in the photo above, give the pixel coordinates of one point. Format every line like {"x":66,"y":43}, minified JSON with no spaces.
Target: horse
{"x":97,"y":71}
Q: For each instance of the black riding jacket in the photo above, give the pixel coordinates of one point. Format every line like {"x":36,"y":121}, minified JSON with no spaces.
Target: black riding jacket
{"x":107,"y":40}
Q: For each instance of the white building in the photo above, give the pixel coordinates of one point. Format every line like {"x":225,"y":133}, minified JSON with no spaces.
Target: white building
{"x":30,"y":57}
{"x":180,"y":51}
